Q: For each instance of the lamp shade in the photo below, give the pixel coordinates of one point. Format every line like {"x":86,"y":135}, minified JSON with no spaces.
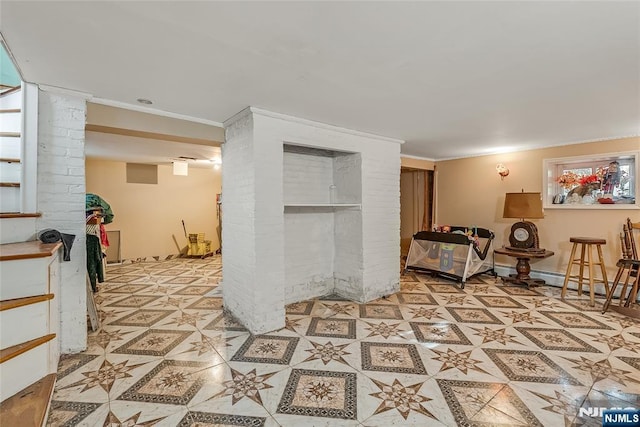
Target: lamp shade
{"x":523,"y":205}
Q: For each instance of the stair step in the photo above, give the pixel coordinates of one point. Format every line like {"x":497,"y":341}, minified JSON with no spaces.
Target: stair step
{"x":10,"y":134}
{"x":20,"y":215}
{"x":10,"y":184}
{"x":16,"y":350}
{"x":11,"y":110}
{"x":4,"y":160}
{"x":30,"y":406}
{"x":27,"y":250}
{"x":8,"y":304}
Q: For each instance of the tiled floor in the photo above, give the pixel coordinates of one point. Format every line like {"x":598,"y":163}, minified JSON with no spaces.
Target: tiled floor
{"x":430,"y":355}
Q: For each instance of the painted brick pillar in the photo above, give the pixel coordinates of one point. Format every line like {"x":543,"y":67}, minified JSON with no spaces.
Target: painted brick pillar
{"x":252,"y":225}
{"x":61,"y":200}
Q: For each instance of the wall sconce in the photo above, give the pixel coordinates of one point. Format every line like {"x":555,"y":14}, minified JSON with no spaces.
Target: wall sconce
{"x":502,"y":170}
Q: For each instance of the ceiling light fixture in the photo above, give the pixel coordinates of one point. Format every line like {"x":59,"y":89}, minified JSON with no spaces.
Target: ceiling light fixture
{"x":145,"y":101}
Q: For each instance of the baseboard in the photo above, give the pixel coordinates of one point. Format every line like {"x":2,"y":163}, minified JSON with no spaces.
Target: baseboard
{"x":557,"y":280}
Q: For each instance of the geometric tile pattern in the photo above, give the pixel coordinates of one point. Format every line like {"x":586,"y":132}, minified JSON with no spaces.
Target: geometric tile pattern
{"x":474,"y":315}
{"x":388,"y":357}
{"x":572,"y":319}
{"x":172,"y":381}
{"x":484,"y":355}
{"x":402,"y":398}
{"x":406,"y":298}
{"x":332,"y":328}
{"x":499,"y":301}
{"x":69,"y":414}
{"x":267,"y":349}
{"x":327,"y":394}
{"x":380,"y":311}
{"x":245,"y":385}
{"x":211,"y":419}
{"x":142,"y":318}
{"x":470,"y":404}
{"x":530,"y":366}
{"x":154,"y":342}
{"x":70,"y":362}
{"x":443,"y":333}
{"x":556,"y":339}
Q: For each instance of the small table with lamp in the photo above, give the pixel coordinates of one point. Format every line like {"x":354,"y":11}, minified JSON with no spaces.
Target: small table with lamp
{"x":522,"y":267}
{"x":523,"y":239}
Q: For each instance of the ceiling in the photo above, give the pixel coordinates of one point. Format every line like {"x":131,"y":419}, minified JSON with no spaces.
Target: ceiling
{"x":453,"y":79}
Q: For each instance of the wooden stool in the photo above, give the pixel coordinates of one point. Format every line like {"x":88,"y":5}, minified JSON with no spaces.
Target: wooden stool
{"x":586,"y":247}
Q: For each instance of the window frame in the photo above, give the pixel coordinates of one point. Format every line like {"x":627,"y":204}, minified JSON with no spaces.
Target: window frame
{"x":551,"y":171}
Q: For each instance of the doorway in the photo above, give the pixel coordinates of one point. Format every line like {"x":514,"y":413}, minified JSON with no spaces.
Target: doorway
{"x":416,"y":204}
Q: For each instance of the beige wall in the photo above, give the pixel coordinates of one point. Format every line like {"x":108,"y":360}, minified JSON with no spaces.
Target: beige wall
{"x":470,"y":192}
{"x":410,"y":162}
{"x":148,"y":215}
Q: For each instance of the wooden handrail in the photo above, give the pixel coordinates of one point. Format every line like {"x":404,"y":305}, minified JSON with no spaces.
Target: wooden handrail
{"x":10,"y":134}
{"x":8,"y":304}
{"x":7,"y":160}
{"x":10,"y":184}
{"x":18,"y":349}
{"x":10,"y":110}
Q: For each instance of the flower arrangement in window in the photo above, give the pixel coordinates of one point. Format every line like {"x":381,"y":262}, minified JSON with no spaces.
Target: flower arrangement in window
{"x":568,"y":180}
{"x":596,"y":187}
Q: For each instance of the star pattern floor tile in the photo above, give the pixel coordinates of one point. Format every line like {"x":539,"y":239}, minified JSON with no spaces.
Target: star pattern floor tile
{"x":443,"y":333}
{"x":556,"y":339}
{"x":315,"y":393}
{"x":473,"y":315}
{"x":172,"y":381}
{"x":267,"y":349}
{"x":332,"y":328}
{"x":530,"y":366}
{"x":433,"y":354}
{"x":380,"y":311}
{"x":572,"y":319}
{"x":391,"y":357}
{"x":154,"y":342}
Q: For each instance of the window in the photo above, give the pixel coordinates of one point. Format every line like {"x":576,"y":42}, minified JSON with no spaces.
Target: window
{"x":604,"y":181}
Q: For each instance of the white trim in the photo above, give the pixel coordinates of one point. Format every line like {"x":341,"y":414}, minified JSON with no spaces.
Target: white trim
{"x":154,"y":111}
{"x":64,"y":91}
{"x":29,"y":149}
{"x":261,"y":112}
{"x":409,"y":156}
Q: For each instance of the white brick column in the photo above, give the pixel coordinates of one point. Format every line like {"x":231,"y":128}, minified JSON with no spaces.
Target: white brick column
{"x":61,"y":200}
{"x":252,"y":226}
{"x":320,"y":247}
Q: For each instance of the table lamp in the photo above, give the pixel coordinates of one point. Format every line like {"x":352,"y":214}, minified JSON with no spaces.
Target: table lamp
{"x":524,"y":234}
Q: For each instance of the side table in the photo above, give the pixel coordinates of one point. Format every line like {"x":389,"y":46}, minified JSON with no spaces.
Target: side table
{"x":522,"y":267}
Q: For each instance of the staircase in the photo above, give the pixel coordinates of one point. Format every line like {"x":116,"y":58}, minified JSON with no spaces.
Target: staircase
{"x":11,"y":99}
{"x":29,"y":284}
{"x":29,"y":322}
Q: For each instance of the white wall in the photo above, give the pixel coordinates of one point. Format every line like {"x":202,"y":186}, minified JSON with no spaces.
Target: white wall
{"x":61,"y":200}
